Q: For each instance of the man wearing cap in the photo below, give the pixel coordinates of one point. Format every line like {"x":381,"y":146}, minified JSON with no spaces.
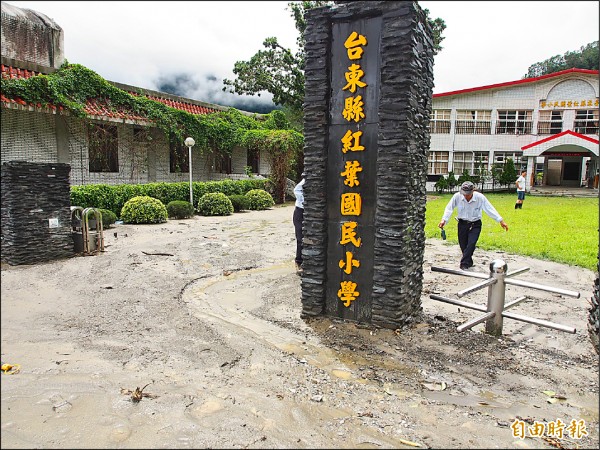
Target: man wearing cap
{"x":471,"y":205}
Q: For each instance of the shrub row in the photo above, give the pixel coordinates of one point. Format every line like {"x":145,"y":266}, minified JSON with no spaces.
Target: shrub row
{"x":113,"y":198}
{"x":145,"y":209}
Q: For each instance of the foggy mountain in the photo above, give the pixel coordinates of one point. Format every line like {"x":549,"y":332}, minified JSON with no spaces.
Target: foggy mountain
{"x":209,"y":88}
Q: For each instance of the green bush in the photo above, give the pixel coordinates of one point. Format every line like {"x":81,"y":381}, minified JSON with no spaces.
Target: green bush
{"x":144,"y":209}
{"x":239,"y":202}
{"x":108,"y":217}
{"x":441,"y":185}
{"x":180,"y":209}
{"x":259,"y":199}
{"x":215,"y":204}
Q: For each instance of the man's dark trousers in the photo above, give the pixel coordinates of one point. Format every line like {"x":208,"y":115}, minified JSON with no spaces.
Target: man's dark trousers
{"x":468,"y":235}
{"x":298,"y":218}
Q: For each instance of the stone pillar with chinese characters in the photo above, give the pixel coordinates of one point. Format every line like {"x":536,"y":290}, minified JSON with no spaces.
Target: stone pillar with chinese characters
{"x":368,"y":96}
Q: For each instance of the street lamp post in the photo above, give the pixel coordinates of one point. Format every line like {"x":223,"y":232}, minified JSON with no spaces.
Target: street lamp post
{"x":189,"y":142}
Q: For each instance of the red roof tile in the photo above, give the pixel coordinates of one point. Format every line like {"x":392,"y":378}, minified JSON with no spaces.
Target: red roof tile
{"x":13,"y":72}
{"x":99,"y":107}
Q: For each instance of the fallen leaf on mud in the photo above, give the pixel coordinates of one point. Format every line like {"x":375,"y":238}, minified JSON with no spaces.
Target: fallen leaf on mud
{"x":549,"y":393}
{"x":138,"y":393}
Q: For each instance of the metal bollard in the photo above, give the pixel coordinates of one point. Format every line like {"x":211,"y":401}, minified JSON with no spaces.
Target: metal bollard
{"x":496,"y":307}
{"x":496,"y":297}
{"x":77,"y":228}
{"x":93,"y":237}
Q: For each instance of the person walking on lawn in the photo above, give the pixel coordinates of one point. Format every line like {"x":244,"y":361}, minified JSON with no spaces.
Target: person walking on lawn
{"x":520,"y":190}
{"x":470,"y":205}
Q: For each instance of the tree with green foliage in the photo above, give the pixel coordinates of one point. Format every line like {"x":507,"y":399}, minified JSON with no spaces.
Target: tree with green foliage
{"x":452,"y":181}
{"x":586,"y":58}
{"x":495,"y":174}
{"x":280,"y":72}
{"x":481,"y":172}
{"x":441,"y":185}
{"x":466,"y":176}
{"x":509,"y":173}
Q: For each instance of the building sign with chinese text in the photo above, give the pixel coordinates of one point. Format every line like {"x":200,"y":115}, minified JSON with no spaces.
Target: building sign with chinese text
{"x":573,"y":103}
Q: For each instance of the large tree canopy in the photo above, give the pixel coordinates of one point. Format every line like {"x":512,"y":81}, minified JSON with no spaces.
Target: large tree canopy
{"x":280,"y":72}
{"x":586,"y":58}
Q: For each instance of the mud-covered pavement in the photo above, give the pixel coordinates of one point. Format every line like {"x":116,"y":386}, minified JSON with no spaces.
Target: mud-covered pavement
{"x":206,"y":313}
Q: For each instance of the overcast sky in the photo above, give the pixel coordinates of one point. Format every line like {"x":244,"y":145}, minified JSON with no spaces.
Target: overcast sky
{"x":192,"y":46}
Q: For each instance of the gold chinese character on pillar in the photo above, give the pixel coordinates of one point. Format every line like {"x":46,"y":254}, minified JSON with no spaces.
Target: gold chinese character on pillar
{"x":351,"y":204}
{"x":348,"y":293}
{"x":352,"y":168}
{"x":353,"y":45}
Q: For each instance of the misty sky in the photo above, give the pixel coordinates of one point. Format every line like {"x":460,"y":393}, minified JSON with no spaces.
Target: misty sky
{"x":189,"y":47}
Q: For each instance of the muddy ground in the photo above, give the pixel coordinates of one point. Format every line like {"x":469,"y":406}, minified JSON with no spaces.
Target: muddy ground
{"x":204,"y":315}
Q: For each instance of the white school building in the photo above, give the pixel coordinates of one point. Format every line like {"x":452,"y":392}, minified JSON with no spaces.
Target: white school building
{"x":548,"y":125}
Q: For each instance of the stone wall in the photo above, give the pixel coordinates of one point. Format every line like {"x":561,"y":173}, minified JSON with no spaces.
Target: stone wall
{"x":403,"y":109}
{"x":36,"y":212}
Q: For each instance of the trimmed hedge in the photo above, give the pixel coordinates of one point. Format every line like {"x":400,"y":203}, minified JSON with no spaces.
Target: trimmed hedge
{"x":180,"y":209}
{"x":114,"y":197}
{"x":144,"y":209}
{"x":259,"y":199}
{"x":215,"y":204}
{"x":239,"y":202}
{"x":108,"y":217}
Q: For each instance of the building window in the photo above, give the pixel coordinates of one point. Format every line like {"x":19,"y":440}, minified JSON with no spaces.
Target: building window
{"x":179,"y":160}
{"x":519,"y":162}
{"x":550,"y":122}
{"x":481,"y":160}
{"x":473,"y":122}
{"x":475,"y":163}
{"x":514,"y":122}
{"x":462,"y":161}
{"x":253,"y":160}
{"x":223,"y":163}
{"x":103,"y":148}
{"x":440,"y":121}
{"x":437,"y":163}
{"x":586,"y":121}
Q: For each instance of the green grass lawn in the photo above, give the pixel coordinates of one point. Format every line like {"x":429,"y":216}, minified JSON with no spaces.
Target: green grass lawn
{"x":560,"y":229}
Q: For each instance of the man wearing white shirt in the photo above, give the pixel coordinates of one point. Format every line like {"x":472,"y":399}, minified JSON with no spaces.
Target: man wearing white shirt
{"x":470,"y":205}
{"x":298,"y":218}
{"x":520,"y":190}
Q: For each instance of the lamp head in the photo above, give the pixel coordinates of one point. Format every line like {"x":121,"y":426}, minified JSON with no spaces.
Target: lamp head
{"x":189,"y":142}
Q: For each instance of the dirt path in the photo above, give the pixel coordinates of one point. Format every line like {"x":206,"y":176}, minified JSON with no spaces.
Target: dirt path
{"x":215,"y":330}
